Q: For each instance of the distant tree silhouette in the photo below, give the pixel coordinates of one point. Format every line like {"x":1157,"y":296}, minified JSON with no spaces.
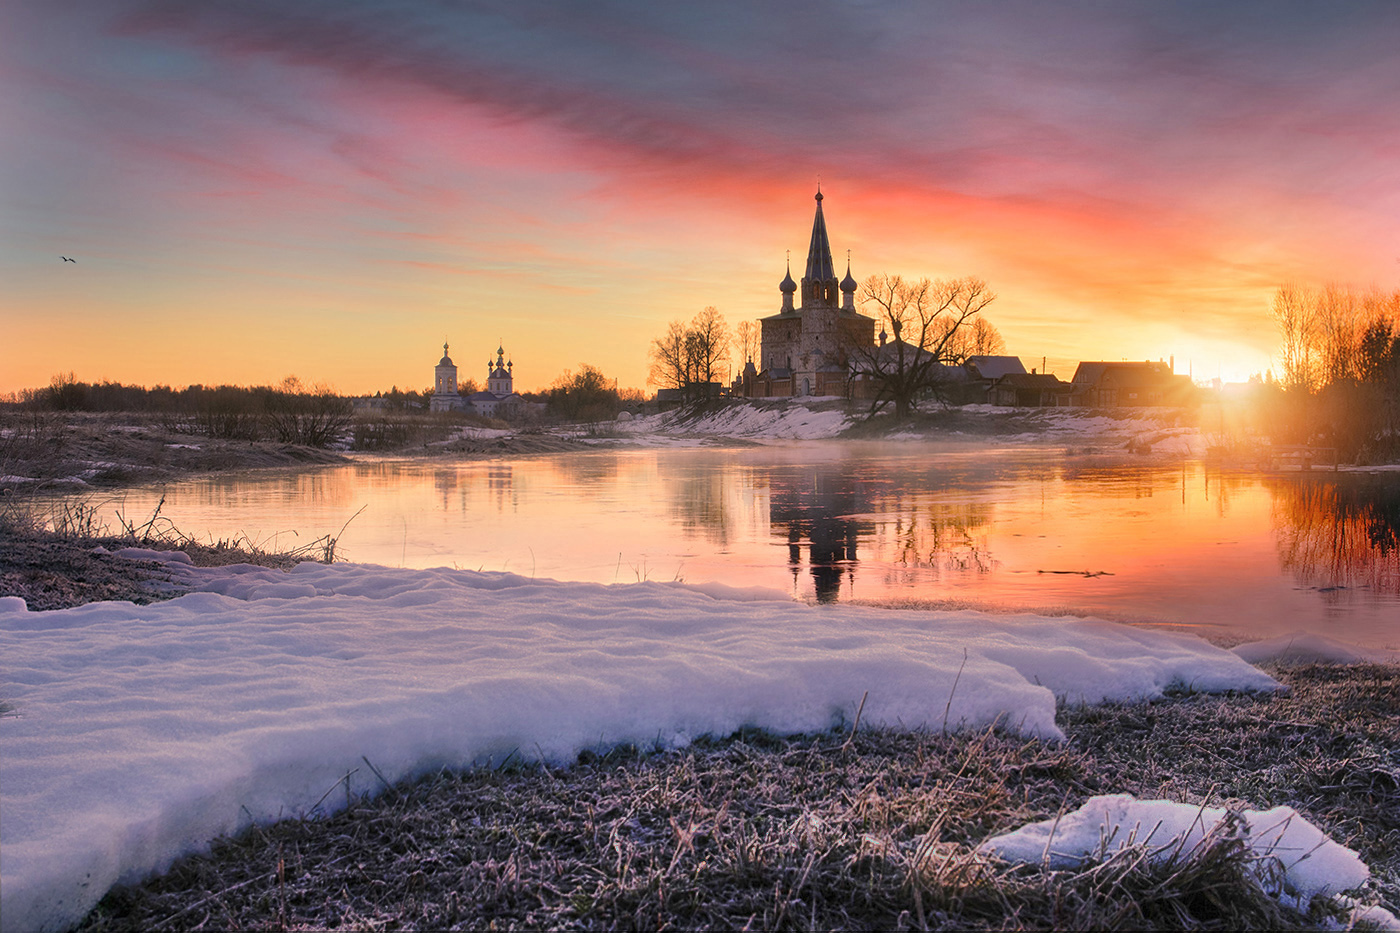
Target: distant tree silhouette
{"x":747,"y":340}
{"x":587,"y":395}
{"x":1340,"y":354}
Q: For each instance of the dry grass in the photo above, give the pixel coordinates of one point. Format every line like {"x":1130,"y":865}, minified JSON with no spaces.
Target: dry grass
{"x":57,"y":553}
{"x":874,"y":831}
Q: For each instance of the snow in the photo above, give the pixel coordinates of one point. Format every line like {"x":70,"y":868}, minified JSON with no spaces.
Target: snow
{"x":752,"y":422}
{"x":1310,"y":862}
{"x":141,"y":733}
{"x":1309,"y":648}
{"x":1145,"y":432}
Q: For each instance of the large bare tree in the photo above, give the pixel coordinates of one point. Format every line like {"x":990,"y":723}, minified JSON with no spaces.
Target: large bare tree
{"x":1297,"y":323}
{"x":930,"y":322}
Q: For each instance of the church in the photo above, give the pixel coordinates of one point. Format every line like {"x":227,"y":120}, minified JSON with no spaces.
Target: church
{"x":804,"y":347}
{"x":498,"y":400}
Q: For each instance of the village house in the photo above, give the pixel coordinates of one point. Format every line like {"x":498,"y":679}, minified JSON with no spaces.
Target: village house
{"x":1028,"y":390}
{"x":1103,"y":384}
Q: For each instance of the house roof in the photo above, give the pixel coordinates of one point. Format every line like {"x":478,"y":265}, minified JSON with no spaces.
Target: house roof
{"x":994,"y":367}
{"x":1123,"y":372}
{"x":1032,"y":381}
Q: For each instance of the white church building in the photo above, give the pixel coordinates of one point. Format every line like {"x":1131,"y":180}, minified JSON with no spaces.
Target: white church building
{"x":498,"y":400}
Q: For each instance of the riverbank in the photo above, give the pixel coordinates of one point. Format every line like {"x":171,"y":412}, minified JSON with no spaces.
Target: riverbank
{"x":853,"y":828}
{"x":858,"y":829}
{"x":786,"y":831}
{"x":74,"y":451}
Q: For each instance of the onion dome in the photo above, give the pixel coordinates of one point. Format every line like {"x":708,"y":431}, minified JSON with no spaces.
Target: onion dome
{"x":848,"y":284}
{"x":788,"y":286}
{"x":446,"y":360}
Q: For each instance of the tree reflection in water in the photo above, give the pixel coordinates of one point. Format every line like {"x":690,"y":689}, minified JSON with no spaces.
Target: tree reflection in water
{"x":1340,"y":534}
{"x":945,"y":537}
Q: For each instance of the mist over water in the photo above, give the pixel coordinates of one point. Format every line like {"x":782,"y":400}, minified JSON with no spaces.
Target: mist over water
{"x":1234,"y":554}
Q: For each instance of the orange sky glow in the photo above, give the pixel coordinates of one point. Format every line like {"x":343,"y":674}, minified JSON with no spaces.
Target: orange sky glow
{"x":330,"y":189}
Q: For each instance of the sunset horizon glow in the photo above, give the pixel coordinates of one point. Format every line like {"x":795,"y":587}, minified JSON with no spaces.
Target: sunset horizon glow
{"x":333,"y":189}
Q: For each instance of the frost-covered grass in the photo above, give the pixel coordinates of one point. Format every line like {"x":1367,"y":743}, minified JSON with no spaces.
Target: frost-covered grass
{"x":871,"y":829}
{"x":145,"y":731}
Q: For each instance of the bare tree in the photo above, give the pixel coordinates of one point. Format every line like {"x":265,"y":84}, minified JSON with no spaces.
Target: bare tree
{"x":986,"y":339}
{"x":746,"y":340}
{"x":1340,"y":354}
{"x":927,"y":320}
{"x":587,"y":395}
{"x":1338,"y":314}
{"x":689,"y":356}
{"x":709,"y":336}
{"x":670,"y":358}
{"x":978,"y":338}
{"x":300,"y":414}
{"x":1296,"y":319}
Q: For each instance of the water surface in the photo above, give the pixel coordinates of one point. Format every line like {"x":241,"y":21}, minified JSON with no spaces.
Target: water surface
{"x":1249,"y":555}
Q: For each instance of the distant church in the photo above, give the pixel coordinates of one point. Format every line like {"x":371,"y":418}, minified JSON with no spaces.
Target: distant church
{"x":497,"y":400}
{"x":803,"y":349}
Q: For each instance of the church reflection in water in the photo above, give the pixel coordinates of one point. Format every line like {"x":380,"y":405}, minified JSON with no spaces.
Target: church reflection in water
{"x":837,"y":513}
{"x":1340,"y":534}
{"x":816,"y":507}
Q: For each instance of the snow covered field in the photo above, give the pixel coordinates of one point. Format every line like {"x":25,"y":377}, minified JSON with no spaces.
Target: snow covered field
{"x":142,"y":732}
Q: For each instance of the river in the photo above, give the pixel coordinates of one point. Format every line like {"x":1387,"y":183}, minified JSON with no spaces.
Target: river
{"x":1240,"y":555}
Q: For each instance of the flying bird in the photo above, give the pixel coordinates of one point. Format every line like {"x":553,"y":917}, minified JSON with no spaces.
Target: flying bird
{"x":66,"y":259}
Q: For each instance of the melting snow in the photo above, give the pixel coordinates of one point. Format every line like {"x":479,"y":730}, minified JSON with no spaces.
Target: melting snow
{"x":142,"y":732}
{"x":1310,"y":862}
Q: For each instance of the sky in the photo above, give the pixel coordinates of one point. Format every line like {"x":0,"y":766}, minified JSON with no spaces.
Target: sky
{"x":332,"y":188}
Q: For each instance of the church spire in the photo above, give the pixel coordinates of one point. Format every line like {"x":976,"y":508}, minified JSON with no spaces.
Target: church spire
{"x":787,"y":286}
{"x":819,"y":284}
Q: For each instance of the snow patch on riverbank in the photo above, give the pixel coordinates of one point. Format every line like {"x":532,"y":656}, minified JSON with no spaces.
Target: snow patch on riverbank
{"x":749,"y":422}
{"x":1291,"y":857}
{"x":141,"y":733}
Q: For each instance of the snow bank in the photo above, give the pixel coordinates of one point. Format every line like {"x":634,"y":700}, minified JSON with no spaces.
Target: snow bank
{"x":752,"y":422}
{"x":1307,"y":648}
{"x":1311,"y":863}
{"x":142,"y":732}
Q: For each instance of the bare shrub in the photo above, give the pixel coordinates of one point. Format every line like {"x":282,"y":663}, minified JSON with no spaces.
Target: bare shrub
{"x":314,"y":417}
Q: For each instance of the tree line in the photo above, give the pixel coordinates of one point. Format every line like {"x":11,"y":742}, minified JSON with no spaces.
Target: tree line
{"x":290,"y":412}
{"x":293,"y":412}
{"x":1339,"y":352}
